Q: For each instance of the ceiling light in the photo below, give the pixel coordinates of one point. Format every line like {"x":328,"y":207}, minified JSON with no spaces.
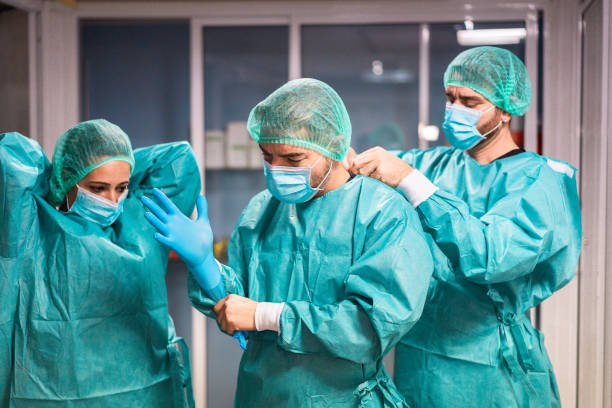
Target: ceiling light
{"x":496,"y":36}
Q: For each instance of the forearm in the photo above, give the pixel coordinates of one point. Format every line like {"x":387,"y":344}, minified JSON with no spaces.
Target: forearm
{"x":204,"y":300}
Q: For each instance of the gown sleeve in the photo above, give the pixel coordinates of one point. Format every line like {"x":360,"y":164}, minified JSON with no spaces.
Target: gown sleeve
{"x":533,"y":225}
{"x":24,"y":170}
{"x":172,"y":168}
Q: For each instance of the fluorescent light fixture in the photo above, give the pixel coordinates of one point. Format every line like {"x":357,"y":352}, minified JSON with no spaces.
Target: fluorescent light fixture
{"x":495,"y":36}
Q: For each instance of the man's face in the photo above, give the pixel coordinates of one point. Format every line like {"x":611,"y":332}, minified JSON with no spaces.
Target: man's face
{"x":464,"y":96}
{"x":295,"y":156}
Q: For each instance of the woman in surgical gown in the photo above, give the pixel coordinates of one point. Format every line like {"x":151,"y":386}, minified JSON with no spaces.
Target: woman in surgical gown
{"x":83,"y":310}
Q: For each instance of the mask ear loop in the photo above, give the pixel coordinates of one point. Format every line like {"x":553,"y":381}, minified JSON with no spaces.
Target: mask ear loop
{"x":326,"y":176}
{"x":492,"y":130}
{"x":496,"y":126}
{"x":318,"y":188}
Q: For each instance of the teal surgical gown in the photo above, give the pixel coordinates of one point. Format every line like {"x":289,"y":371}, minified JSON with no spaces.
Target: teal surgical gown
{"x":353,"y":271}
{"x":505,"y":236}
{"x":84,"y":317}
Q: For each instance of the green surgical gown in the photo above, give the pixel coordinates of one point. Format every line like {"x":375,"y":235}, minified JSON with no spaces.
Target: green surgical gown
{"x":84,"y":317}
{"x":353,"y":271}
{"x":505,"y":236}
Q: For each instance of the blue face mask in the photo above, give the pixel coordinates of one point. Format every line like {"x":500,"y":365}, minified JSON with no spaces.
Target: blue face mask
{"x":460,"y":126}
{"x":292,"y":184}
{"x":98,"y":209}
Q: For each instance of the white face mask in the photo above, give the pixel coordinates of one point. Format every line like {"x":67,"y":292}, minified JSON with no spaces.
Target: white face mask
{"x":95,"y":208}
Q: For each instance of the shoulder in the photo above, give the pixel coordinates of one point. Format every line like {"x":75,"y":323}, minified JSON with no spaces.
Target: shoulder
{"x":383,"y":203}
{"x":427,"y":158}
{"x":539,"y":167}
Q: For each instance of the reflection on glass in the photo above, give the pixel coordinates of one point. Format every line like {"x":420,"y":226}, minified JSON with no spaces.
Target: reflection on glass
{"x":374,"y":68}
{"x":242,"y":65}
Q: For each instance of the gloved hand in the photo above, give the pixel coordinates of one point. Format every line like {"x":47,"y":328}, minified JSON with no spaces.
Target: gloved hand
{"x":191,"y":240}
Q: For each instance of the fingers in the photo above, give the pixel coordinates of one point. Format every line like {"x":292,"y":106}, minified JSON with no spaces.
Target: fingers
{"x":347,"y":162}
{"x":369,"y":169}
{"x":165,"y":201}
{"x":159,"y":226}
{"x":220,"y":309}
{"x":154,"y":208}
{"x":220,"y":304}
{"x":363,"y":159}
{"x":375,"y":149}
{"x":163,"y":240}
{"x":202,"y":207}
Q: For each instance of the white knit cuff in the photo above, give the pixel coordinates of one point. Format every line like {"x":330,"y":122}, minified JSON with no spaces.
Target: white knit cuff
{"x":267,"y":316}
{"x":416,"y":187}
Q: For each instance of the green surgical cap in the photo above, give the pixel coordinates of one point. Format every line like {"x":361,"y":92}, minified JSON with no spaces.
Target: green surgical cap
{"x":495,"y":73}
{"x":82,"y":149}
{"x":304,"y":112}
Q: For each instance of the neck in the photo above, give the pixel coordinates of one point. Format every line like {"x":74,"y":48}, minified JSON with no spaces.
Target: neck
{"x":337,"y":178}
{"x":492,"y":148}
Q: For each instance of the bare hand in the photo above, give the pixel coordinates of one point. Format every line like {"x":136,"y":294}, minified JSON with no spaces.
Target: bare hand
{"x":236,"y":313}
{"x":347,"y":163}
{"x":381,"y":165}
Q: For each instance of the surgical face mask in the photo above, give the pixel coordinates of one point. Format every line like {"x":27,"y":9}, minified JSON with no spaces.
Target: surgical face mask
{"x":292,"y":184}
{"x":95,"y":208}
{"x":460,"y":126}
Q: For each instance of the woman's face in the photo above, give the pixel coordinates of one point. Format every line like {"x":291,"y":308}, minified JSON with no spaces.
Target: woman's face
{"x":109,"y":181}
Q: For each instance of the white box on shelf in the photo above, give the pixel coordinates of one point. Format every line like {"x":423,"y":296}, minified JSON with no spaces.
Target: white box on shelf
{"x":236,"y":146}
{"x":215,"y":149}
{"x":255,"y":156}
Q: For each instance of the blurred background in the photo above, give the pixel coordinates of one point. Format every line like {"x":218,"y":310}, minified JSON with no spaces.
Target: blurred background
{"x":168,"y":70}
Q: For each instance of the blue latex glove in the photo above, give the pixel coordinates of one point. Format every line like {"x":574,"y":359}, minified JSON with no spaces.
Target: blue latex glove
{"x":192,"y":241}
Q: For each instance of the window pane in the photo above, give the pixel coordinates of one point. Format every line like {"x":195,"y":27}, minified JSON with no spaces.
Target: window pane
{"x":137,"y":76}
{"x":374,"y":68}
{"x":242,"y":65}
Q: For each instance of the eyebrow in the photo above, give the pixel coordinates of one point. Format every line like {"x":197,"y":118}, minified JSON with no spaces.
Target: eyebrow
{"x":284,"y":155}
{"x":465,"y":97}
{"x":470,"y":98}
{"x":101,"y":183}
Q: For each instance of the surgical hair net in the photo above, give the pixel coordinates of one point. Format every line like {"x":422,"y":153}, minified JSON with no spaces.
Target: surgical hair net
{"x":304,"y":112}
{"x":495,"y":73}
{"x":82,"y":149}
